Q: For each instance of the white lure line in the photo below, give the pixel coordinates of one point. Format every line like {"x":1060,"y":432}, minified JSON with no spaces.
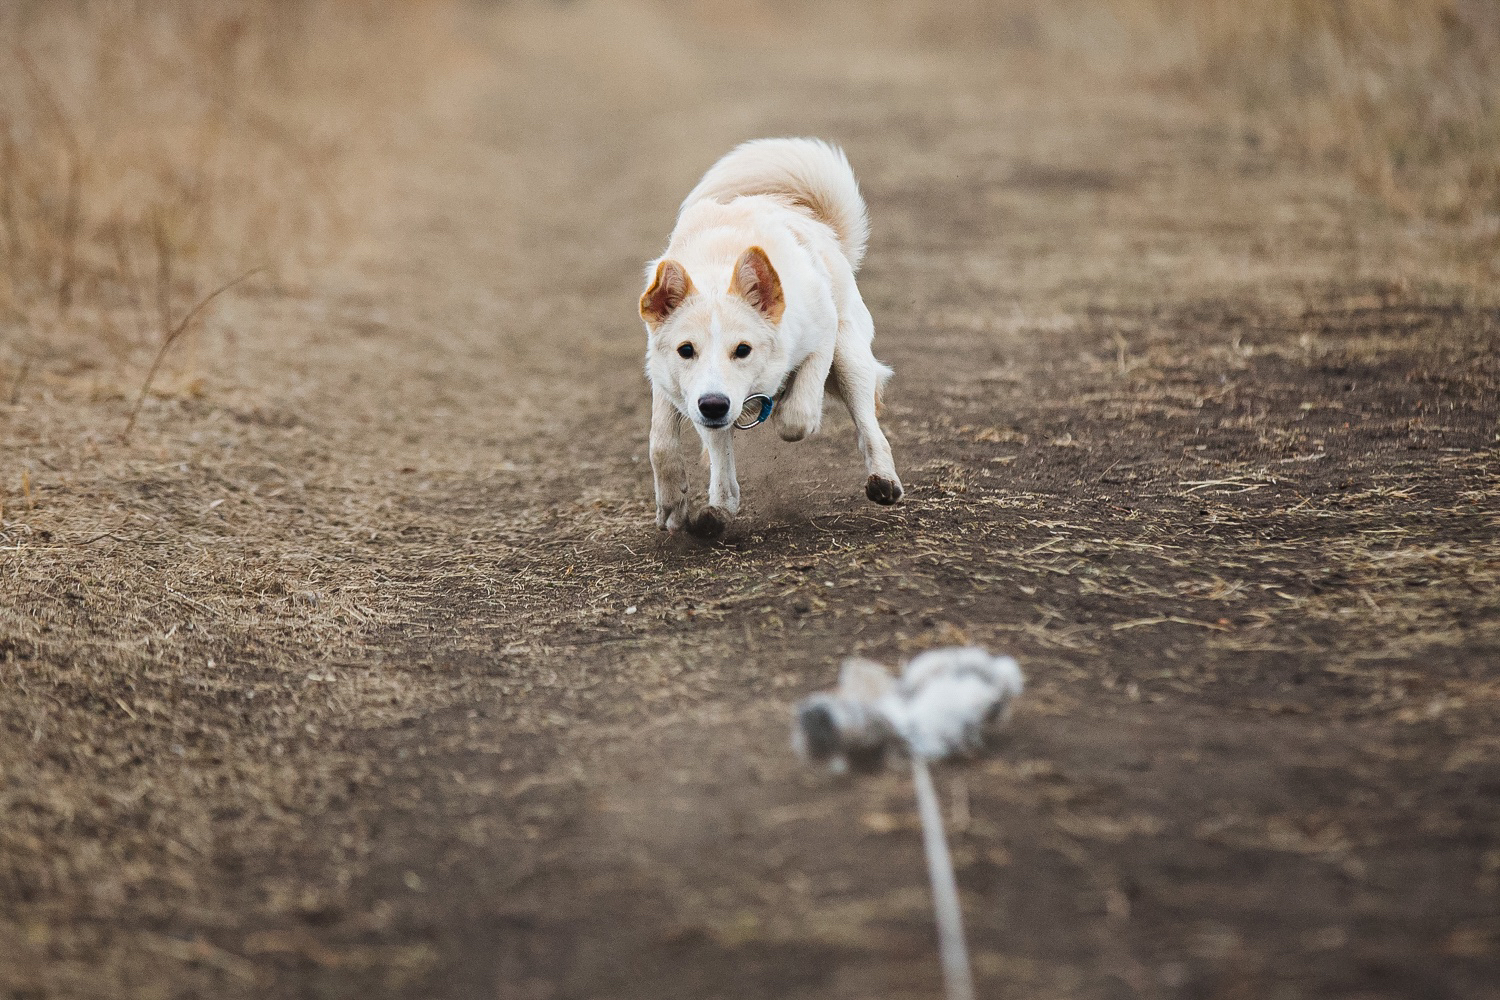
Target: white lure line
{"x":958,"y":975}
{"x":948,"y":702}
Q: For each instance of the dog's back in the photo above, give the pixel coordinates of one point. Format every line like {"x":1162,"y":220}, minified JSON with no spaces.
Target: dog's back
{"x":807,"y":174}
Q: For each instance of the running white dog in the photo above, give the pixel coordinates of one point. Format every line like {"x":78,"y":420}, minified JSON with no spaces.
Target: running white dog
{"x":754,"y":308}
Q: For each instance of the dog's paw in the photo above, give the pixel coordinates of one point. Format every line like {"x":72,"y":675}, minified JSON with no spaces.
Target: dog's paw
{"x":794,"y":426}
{"x":670,"y":518}
{"x":883,"y":491}
{"x":709,"y":523}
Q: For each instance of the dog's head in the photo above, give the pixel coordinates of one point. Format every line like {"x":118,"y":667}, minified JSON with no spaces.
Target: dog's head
{"x":712,"y":348}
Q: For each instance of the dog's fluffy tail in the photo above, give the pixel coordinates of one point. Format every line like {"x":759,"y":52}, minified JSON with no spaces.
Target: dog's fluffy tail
{"x":809,"y":173}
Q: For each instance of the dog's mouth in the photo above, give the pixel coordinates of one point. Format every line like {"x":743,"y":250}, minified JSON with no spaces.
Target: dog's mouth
{"x":713,"y":425}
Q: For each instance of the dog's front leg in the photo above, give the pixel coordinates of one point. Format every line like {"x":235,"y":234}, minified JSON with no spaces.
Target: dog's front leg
{"x":668,"y":471}
{"x":800,"y":412}
{"x":723,"y":487}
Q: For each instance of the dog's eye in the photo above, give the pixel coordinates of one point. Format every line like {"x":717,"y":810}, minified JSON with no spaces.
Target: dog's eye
{"x":743,"y":351}
{"x":686,"y":350}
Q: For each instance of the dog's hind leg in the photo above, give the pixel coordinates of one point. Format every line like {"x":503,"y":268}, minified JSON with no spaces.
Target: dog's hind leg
{"x":723,"y":486}
{"x":668,"y":471}
{"x":858,"y":378}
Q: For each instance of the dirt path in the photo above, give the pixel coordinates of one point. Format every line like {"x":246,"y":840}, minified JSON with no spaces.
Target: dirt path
{"x":428,"y":708}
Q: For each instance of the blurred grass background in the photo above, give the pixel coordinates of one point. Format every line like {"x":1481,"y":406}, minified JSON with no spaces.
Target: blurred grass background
{"x":1404,"y":94}
{"x":149,"y":151}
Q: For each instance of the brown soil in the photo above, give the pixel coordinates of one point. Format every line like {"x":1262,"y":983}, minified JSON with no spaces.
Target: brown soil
{"x":364,"y":672}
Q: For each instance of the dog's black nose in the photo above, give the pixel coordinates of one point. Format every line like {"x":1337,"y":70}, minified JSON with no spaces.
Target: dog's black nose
{"x":713,"y":406}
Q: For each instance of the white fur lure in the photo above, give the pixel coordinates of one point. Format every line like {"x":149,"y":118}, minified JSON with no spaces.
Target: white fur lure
{"x":947,"y":702}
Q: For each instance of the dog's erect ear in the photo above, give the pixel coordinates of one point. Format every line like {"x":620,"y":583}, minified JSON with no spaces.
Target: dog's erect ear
{"x":756,"y":282}
{"x":670,"y":286}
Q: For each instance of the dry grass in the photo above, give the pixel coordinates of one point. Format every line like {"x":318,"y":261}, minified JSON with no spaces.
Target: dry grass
{"x":1398,"y":94}
{"x":1402,"y":94}
{"x":151,"y":152}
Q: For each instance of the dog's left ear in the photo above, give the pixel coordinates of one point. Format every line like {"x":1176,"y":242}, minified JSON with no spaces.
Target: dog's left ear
{"x":756,"y":281}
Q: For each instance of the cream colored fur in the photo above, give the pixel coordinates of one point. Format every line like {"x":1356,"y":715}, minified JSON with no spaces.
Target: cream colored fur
{"x":756,"y":294}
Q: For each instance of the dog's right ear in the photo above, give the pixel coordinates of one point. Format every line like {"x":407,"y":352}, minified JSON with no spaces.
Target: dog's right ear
{"x":670,"y":286}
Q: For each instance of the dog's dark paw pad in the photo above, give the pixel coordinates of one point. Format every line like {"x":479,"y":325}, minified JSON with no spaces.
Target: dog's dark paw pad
{"x":707,"y":523}
{"x":883,"y":491}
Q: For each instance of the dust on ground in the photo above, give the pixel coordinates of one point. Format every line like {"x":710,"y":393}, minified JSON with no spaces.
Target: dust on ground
{"x":362,"y":670}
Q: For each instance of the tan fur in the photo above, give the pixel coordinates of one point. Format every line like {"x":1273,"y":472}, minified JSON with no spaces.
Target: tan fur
{"x":668,"y":290}
{"x":757,"y":282}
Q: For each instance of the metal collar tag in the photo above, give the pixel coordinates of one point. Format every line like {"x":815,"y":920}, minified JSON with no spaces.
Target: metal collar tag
{"x":767,"y":404}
